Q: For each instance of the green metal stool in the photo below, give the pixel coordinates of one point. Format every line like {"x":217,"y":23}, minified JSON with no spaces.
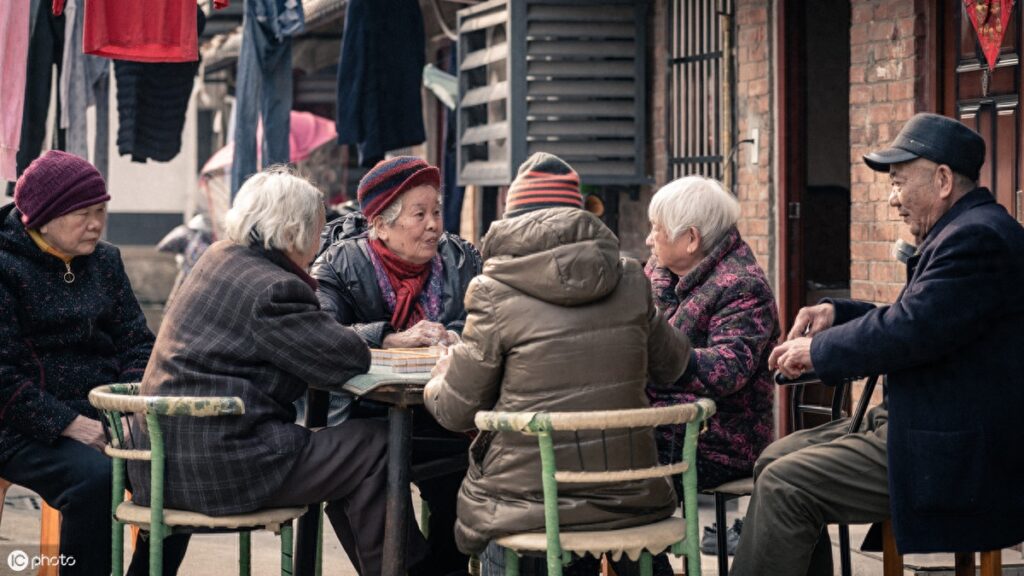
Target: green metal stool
{"x":117,"y":400}
{"x":677,"y":534}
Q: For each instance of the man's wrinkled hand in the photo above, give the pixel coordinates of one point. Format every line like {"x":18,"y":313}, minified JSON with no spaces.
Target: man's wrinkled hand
{"x":792,"y":357}
{"x":812,"y":319}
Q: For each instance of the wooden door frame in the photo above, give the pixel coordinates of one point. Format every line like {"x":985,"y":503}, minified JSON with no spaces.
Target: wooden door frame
{"x":790,"y":141}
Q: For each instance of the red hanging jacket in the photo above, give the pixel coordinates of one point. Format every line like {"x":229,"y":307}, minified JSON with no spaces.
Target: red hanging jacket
{"x":150,"y":31}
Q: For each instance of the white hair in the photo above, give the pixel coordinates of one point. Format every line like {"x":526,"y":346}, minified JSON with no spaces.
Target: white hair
{"x":698,"y":202}
{"x":277,"y":209}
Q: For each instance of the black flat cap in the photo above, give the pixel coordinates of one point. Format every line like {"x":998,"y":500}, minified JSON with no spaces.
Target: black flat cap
{"x":937,"y":138}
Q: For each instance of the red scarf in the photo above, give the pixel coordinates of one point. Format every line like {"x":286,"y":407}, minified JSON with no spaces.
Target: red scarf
{"x":407,"y":280}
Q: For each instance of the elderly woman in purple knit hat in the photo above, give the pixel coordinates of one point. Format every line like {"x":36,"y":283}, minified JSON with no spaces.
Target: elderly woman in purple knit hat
{"x":70,"y":322}
{"x":398,"y":279}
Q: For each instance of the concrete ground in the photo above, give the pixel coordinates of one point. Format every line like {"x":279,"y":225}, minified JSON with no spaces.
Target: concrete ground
{"x":217,"y":555}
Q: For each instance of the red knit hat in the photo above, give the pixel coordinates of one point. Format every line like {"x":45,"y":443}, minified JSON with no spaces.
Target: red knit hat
{"x":543,"y":181}
{"x":389,"y":178}
{"x":55,"y":184}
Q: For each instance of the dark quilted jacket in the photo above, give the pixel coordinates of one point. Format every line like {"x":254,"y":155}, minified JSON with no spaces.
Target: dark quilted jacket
{"x":726,"y":307}
{"x":59,"y":340}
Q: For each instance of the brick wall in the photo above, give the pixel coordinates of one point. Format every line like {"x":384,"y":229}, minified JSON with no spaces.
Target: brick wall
{"x":885,"y":56}
{"x":753,"y":104}
{"x":754,"y":77}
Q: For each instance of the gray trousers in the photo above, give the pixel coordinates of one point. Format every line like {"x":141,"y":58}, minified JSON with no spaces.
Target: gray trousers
{"x":805,"y":481}
{"x":346,"y":466}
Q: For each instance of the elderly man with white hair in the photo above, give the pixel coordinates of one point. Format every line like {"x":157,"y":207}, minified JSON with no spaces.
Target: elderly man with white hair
{"x":247,"y":323}
{"x":708,"y":285}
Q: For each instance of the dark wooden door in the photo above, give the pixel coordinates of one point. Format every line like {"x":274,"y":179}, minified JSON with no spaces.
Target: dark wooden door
{"x":991,"y":105}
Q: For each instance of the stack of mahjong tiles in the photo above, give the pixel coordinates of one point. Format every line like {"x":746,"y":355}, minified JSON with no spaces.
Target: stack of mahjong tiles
{"x":406,"y":360}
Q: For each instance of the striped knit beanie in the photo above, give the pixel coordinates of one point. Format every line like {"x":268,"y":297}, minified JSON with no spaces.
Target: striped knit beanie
{"x":389,"y":178}
{"x":543,"y":181}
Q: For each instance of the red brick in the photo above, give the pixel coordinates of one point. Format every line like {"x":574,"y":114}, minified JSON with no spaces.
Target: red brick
{"x":886,"y":30}
{"x":860,"y":94}
{"x":905,"y":27}
{"x":880,"y":93}
{"x":903,"y":90}
{"x":859,"y":33}
{"x":881,"y":113}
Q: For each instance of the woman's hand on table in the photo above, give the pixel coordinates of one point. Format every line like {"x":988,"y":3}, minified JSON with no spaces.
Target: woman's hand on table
{"x":423,"y":334}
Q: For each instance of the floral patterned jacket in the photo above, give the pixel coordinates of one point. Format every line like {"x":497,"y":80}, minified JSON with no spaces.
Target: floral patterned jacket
{"x":727,"y":309}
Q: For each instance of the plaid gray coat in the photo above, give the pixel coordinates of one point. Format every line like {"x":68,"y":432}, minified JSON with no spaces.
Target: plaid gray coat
{"x":246,"y":323}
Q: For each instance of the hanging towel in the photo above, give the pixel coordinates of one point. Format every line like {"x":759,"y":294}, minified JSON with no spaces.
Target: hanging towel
{"x":149,"y":31}
{"x":14,"y":23}
{"x":380,"y":77}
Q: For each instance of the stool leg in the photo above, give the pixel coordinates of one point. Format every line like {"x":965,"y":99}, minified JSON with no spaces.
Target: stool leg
{"x":892,"y":561}
{"x":4,"y":485}
{"x":845,"y":562}
{"x":964,"y":562}
{"x":244,"y":556}
{"x":646,"y":564}
{"x":723,"y":543}
{"x":286,"y":548}
{"x":49,"y":538}
{"x":992,"y":563}
{"x":511,"y":562}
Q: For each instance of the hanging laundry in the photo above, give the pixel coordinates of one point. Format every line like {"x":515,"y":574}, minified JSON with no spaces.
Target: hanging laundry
{"x":45,"y":50}
{"x":152,"y":99}
{"x":149,"y":31}
{"x":379,"y":77}
{"x":14,"y":31}
{"x":84,"y":82}
{"x":264,"y":85}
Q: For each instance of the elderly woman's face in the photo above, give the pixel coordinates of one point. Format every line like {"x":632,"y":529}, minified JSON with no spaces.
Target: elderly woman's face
{"x":76,"y":233}
{"x":680,"y":255}
{"x":413,"y":236}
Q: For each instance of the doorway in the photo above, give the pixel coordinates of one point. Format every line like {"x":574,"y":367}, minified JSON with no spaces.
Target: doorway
{"x":814,"y":170}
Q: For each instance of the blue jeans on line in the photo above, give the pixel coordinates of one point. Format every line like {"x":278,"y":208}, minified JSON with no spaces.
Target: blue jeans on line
{"x":76,"y":480}
{"x":263,"y":88}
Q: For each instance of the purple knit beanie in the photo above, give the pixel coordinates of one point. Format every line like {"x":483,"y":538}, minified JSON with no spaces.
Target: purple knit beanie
{"x":55,"y":184}
{"x":389,"y":178}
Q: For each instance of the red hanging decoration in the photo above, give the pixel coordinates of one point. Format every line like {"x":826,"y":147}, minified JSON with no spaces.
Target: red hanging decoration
{"x":990,"y":19}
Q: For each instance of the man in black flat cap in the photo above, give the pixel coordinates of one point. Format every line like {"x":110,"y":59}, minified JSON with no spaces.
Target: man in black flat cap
{"x":943,"y":454}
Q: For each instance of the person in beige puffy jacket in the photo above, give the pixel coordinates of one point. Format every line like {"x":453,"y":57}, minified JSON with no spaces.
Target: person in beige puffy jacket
{"x":556,"y":322}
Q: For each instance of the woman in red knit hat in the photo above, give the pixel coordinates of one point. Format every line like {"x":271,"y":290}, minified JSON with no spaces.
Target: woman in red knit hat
{"x":398,"y":279}
{"x":70,"y":323}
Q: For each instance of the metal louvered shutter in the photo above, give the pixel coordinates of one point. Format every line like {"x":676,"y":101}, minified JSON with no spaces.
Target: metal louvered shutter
{"x":559,"y":76}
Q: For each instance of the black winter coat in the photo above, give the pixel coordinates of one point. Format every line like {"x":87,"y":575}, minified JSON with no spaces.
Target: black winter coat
{"x":348,"y":281}
{"x":57,"y":340}
{"x":952,"y":347}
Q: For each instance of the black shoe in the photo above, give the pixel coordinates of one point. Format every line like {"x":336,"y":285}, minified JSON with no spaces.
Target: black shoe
{"x":709,"y":542}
